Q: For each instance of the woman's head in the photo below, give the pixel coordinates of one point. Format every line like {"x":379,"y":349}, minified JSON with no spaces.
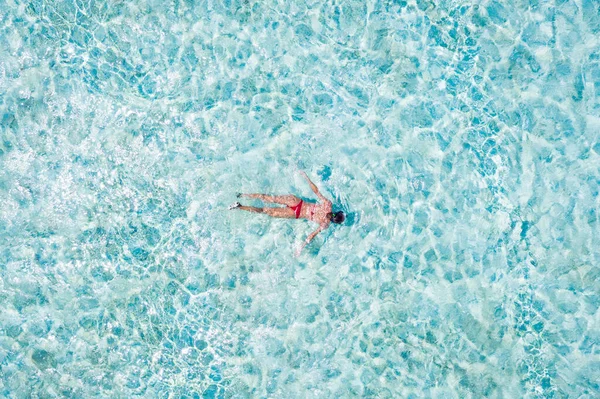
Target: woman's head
{"x":337,"y":217}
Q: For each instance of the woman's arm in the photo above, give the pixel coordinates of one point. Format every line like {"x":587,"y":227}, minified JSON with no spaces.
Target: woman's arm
{"x":309,"y":239}
{"x":314,"y":188}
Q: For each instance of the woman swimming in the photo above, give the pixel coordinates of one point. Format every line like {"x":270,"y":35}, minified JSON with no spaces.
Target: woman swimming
{"x":295,"y":208}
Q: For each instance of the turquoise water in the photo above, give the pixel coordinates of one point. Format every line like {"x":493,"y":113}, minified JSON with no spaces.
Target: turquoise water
{"x":462,"y":140}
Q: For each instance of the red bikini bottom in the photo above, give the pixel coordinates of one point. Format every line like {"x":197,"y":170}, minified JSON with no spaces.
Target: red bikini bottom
{"x":297,"y":209}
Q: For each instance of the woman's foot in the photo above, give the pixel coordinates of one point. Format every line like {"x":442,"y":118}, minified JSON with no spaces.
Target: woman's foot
{"x":234,"y":206}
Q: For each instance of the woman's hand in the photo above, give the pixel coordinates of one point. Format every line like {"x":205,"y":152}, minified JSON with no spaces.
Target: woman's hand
{"x":298,"y":250}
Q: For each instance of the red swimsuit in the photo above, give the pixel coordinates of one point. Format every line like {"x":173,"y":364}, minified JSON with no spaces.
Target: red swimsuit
{"x":297,"y":209}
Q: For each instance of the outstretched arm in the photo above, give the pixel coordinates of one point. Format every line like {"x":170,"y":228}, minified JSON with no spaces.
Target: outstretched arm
{"x":309,"y":239}
{"x":314,"y":188}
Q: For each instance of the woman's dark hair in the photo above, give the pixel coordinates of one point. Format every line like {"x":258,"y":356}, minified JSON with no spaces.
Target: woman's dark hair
{"x":337,"y":217}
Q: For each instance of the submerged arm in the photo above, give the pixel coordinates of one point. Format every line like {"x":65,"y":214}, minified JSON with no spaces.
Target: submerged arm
{"x":314,"y":188}
{"x":310,"y":238}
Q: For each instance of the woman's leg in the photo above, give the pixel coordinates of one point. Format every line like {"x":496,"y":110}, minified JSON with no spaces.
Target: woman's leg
{"x":250,"y":209}
{"x":287,"y":200}
{"x":276,"y":212}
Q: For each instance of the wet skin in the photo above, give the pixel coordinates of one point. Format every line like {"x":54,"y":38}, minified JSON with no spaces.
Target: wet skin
{"x":315,"y":212}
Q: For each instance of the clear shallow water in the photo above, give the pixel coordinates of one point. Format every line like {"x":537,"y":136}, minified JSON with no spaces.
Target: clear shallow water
{"x":462,"y":140}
